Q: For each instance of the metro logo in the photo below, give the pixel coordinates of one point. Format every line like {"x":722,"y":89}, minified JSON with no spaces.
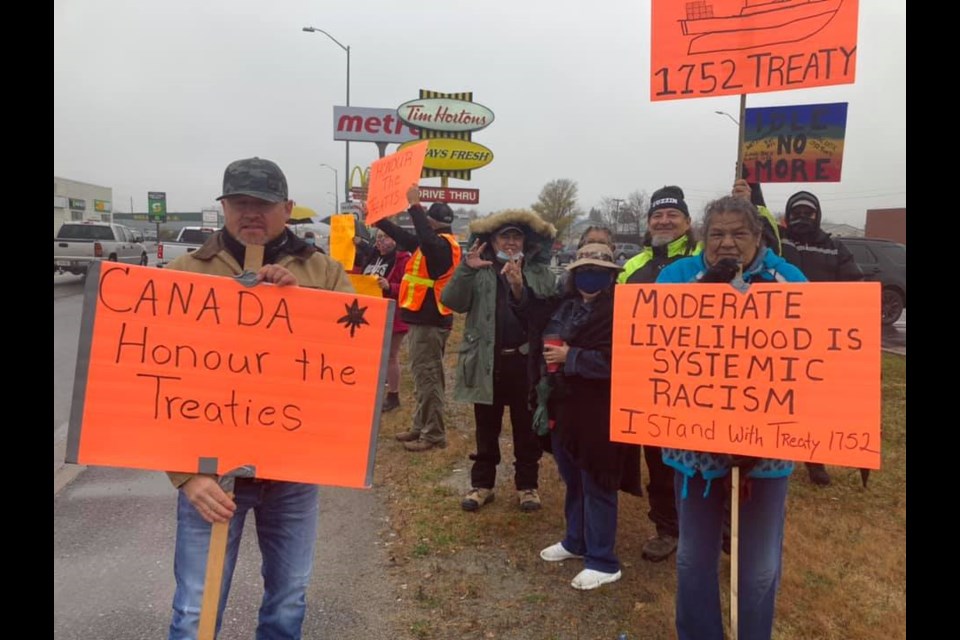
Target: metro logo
{"x":365,"y":124}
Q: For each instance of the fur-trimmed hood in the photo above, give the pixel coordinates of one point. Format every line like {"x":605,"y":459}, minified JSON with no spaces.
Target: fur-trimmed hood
{"x":539,"y":233}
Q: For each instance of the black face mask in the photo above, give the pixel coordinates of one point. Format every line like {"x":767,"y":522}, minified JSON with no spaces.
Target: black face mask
{"x":802,"y":226}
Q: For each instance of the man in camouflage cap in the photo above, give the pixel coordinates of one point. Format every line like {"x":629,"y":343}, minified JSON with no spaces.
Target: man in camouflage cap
{"x":256,"y":208}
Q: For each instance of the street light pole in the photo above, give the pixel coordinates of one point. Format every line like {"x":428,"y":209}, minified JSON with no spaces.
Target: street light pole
{"x":346,"y":164}
{"x":336,"y":182}
{"x":741,"y":125}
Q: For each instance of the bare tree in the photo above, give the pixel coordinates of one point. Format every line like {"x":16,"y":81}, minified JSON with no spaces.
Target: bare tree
{"x":557,"y":204}
{"x":626,"y":217}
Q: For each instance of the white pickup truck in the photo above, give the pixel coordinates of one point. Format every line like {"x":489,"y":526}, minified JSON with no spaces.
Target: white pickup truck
{"x":189,"y":239}
{"x":77,"y":245}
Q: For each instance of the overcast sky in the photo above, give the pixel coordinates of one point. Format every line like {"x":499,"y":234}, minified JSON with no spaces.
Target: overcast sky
{"x":161,"y":96}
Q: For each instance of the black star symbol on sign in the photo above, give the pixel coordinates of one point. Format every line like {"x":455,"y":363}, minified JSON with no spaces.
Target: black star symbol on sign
{"x":354,"y":317}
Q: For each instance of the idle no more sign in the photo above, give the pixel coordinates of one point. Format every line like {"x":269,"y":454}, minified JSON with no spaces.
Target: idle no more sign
{"x":789,"y":371}
{"x":186,"y":372}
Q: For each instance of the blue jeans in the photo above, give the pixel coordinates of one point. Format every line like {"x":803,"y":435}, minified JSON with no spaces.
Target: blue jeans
{"x":698,"y":557}
{"x":286,"y":520}
{"x":591,"y":514}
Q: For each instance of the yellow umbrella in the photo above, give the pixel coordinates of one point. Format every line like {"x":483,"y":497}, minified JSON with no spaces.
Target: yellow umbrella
{"x":301,"y":215}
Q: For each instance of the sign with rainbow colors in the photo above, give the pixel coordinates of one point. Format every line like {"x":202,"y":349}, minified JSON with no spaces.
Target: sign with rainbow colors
{"x":798,"y":143}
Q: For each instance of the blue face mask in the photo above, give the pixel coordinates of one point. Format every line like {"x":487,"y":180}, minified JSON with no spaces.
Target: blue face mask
{"x":310,"y":241}
{"x":592,"y":281}
{"x":503,"y":256}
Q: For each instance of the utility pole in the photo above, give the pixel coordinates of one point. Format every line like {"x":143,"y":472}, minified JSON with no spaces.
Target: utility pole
{"x":616,"y":216}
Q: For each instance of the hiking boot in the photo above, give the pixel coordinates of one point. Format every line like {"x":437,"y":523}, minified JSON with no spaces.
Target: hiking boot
{"x":529,"y":499}
{"x":659,"y":548}
{"x":423,"y":445}
{"x":591,"y":579}
{"x":408,"y":436}
{"x":557,"y":553}
{"x":476,"y":498}
{"x":391,"y":402}
{"x":818,"y":474}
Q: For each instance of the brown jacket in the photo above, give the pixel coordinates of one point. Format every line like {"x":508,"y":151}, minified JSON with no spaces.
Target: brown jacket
{"x":311,"y":268}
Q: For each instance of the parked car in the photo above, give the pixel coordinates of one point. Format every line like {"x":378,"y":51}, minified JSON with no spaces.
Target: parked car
{"x":883,"y":261}
{"x":567,"y":254}
{"x":623,"y":251}
{"x":78,"y":245}
{"x":189,"y":240}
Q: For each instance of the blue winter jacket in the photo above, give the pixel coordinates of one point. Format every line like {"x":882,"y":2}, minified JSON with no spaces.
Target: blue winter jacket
{"x":767,"y":267}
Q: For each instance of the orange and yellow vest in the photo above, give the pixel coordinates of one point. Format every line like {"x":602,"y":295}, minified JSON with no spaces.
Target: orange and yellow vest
{"x":416,"y":280}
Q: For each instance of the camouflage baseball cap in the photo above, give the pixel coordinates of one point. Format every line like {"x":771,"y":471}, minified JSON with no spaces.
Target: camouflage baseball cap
{"x":255,"y":177}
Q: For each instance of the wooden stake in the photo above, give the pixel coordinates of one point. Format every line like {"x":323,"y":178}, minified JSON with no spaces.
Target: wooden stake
{"x":214,"y":578}
{"x":253,"y":257}
{"x":734,"y":550}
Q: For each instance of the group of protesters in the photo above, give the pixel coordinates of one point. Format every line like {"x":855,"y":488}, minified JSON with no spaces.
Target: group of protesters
{"x":542,"y":349}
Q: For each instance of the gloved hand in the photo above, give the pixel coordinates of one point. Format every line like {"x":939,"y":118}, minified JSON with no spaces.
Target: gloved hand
{"x":724,"y":271}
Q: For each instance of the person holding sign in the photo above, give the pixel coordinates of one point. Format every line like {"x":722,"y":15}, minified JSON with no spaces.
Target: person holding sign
{"x":256,"y":208}
{"x":593,"y":468}
{"x":436,"y":253}
{"x":388,"y":263}
{"x":669,"y":237}
{"x":821,"y":259}
{"x":734,"y":252}
{"x":492,"y":365}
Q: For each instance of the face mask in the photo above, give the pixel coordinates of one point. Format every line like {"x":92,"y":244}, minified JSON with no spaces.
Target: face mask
{"x":591,"y":281}
{"x":312,"y":241}
{"x":503,"y":256}
{"x":801,"y":225}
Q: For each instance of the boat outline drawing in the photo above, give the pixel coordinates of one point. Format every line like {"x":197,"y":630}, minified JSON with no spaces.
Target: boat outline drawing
{"x":769,"y":21}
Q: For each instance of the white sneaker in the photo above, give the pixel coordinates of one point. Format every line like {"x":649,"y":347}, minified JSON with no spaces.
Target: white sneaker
{"x":557,"y":553}
{"x":591,"y":579}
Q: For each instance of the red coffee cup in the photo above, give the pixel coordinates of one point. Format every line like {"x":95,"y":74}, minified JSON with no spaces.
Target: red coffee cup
{"x":554,"y":340}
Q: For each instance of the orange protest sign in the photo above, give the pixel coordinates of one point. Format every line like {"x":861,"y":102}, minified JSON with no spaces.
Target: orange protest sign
{"x":365,"y":285}
{"x":703,"y":48}
{"x":195,"y":373}
{"x":342,"y":232}
{"x":390,"y":177}
{"x":789,"y":371}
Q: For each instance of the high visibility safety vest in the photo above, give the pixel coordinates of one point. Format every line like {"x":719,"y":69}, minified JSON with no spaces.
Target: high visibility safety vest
{"x":416,"y":281}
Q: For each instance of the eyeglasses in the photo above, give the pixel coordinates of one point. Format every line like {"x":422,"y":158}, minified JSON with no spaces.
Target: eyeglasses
{"x":594,"y":255}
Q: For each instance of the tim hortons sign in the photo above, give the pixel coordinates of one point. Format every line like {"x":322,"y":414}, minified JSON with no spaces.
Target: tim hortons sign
{"x":445,"y":114}
{"x":366,"y":124}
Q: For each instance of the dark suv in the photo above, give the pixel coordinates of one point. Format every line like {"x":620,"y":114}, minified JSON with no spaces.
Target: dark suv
{"x":567,"y":255}
{"x":883,"y":261}
{"x":625,"y":251}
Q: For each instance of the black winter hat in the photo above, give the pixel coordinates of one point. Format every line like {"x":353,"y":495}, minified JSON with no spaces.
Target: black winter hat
{"x":804,"y":198}
{"x":670,"y":197}
{"x":441,"y":212}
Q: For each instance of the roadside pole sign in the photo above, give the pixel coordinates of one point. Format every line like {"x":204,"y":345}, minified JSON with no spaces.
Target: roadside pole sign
{"x":157,"y":205}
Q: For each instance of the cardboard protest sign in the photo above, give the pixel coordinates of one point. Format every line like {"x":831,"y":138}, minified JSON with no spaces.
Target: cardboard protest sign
{"x":342,"y":232}
{"x":365,"y":285}
{"x":703,"y":48}
{"x":798,"y":143}
{"x":789,"y":371}
{"x":194,"y":373}
{"x":390,"y":177}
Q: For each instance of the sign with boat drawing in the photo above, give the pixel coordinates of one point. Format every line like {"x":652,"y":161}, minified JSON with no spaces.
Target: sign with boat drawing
{"x":796,"y":143}
{"x":703,"y":48}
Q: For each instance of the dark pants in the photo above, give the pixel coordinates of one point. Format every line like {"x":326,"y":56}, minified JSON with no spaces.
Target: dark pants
{"x":509,"y":390}
{"x":663,"y":504}
{"x":590,"y":512}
